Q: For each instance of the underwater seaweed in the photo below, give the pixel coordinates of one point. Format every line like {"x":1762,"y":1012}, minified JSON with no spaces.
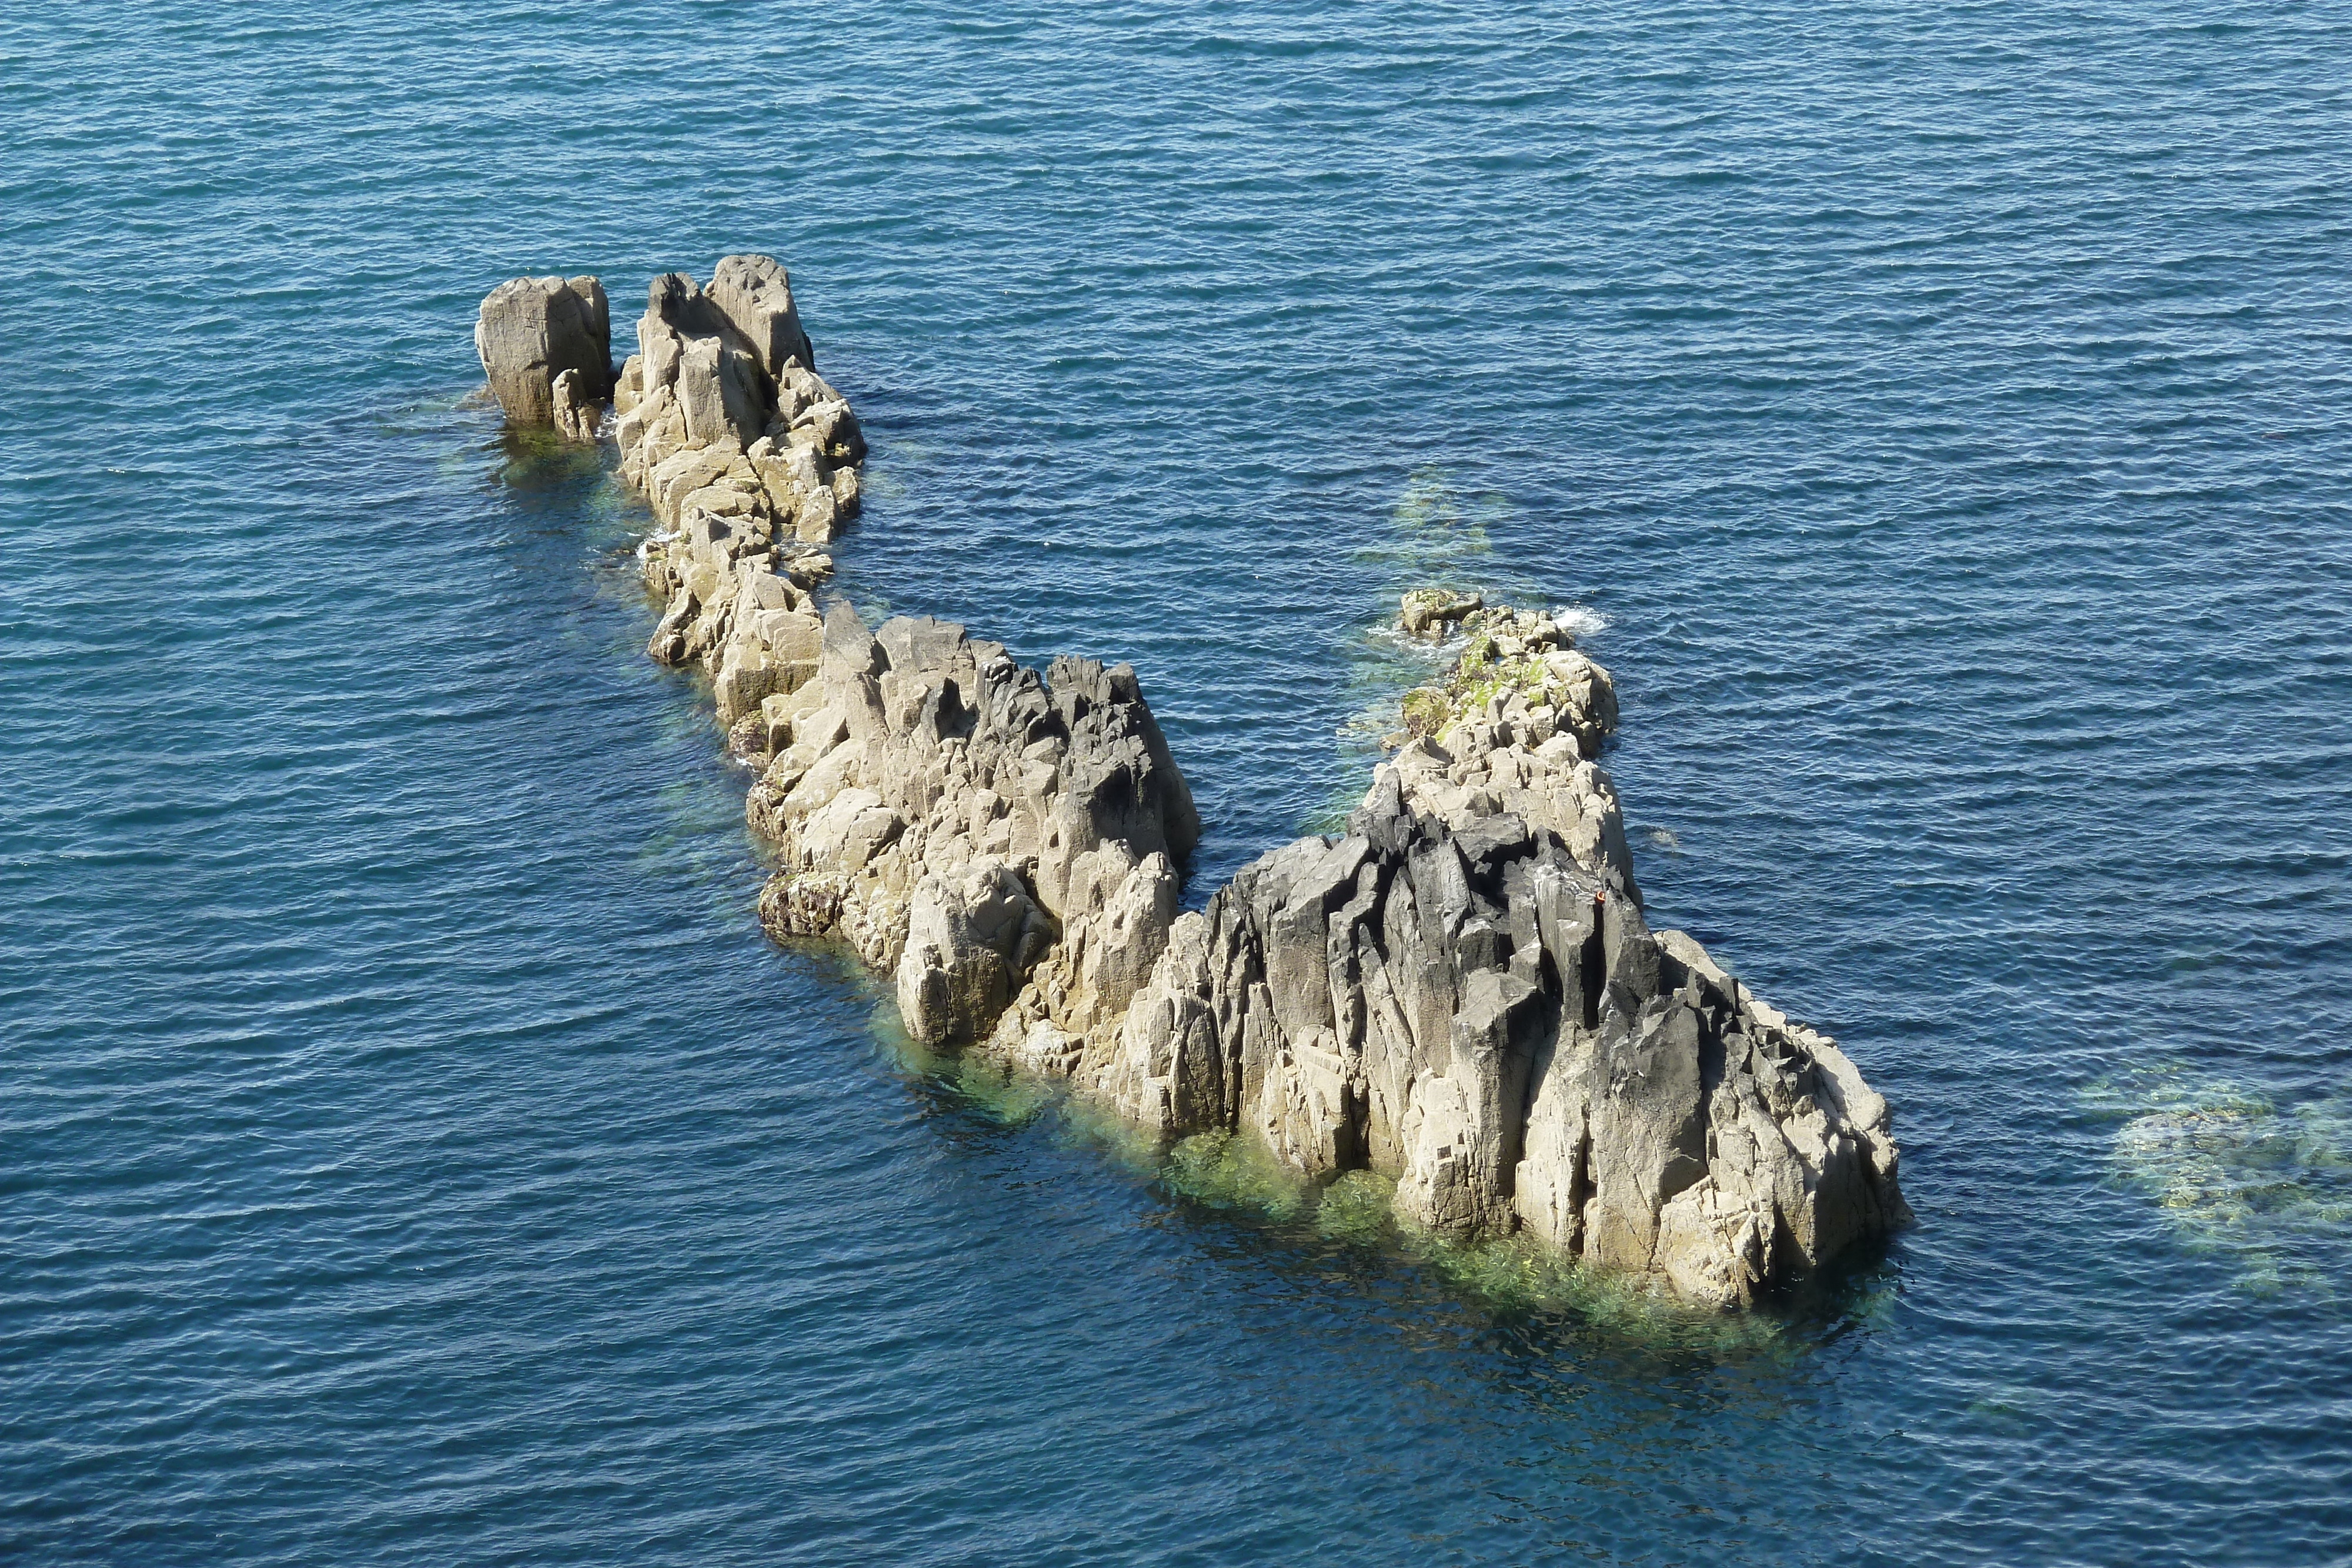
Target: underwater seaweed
{"x":2238,"y":1176}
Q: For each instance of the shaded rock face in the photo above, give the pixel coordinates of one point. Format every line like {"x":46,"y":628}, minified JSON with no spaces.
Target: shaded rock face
{"x":546,"y":344}
{"x":755,"y":294}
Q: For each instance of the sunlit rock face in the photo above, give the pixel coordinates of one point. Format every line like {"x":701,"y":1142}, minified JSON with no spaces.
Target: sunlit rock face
{"x":1459,"y":992}
{"x":545,"y":344}
{"x":1467,"y":997}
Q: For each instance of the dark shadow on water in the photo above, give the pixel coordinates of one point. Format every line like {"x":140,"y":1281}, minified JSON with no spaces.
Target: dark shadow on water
{"x":542,"y":463}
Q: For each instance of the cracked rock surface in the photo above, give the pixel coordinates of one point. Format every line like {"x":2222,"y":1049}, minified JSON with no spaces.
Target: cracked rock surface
{"x":545,"y":343}
{"x":1461,"y":992}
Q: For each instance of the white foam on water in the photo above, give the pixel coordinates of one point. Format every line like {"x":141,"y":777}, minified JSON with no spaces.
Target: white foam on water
{"x":1578,"y":622}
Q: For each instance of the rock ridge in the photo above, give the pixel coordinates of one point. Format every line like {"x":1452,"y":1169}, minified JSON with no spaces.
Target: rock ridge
{"x":1459,"y":992}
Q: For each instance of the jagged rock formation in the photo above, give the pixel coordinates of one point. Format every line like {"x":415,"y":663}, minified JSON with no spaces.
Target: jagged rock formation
{"x":750,"y":461}
{"x":546,"y":344}
{"x":1462,"y":991}
{"x":1006,"y":844}
{"x":1478,"y":1013}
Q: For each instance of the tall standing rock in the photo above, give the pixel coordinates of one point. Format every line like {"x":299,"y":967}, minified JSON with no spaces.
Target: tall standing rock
{"x":533,"y":330}
{"x":756,"y":293}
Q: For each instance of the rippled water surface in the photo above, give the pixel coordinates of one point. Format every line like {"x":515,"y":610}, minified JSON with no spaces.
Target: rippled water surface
{"x":412,"y":1151}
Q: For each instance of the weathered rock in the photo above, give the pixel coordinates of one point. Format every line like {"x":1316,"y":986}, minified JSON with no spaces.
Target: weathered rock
{"x":743,"y":516}
{"x":1428,"y":611}
{"x":971,"y":936}
{"x":1502,"y":1033}
{"x":719,"y":393}
{"x":1062,"y":783}
{"x":756,"y":293}
{"x":739,"y":446}
{"x":1462,"y":991}
{"x":533,"y":330}
{"x":1518,"y":671}
{"x":578,"y":417}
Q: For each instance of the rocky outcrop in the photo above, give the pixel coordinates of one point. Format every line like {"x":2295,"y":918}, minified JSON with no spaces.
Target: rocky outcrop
{"x":1462,"y":991}
{"x":750,"y":462}
{"x":1480,"y":1014}
{"x":546,"y":344}
{"x":1005,"y":843}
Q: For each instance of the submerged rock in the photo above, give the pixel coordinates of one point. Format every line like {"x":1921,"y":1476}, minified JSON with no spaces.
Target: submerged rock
{"x":535,"y":333}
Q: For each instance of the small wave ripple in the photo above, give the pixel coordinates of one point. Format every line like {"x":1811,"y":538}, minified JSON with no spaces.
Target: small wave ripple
{"x":413,"y":1152}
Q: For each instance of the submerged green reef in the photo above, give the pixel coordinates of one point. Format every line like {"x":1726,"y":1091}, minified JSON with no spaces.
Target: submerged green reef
{"x":2238,"y":1175}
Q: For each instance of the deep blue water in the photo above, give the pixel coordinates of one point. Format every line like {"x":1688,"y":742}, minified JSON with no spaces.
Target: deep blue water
{"x":411,"y":1149}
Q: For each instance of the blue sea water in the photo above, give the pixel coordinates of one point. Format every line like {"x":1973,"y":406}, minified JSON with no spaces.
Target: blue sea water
{"x":412,"y":1151}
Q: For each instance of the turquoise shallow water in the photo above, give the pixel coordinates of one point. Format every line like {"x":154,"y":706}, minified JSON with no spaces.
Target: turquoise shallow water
{"x":413,"y":1152}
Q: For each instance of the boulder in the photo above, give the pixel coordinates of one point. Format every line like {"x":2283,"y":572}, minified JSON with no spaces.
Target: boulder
{"x":533,"y":330}
{"x":971,"y":937}
{"x":1426,"y":611}
{"x":578,"y":417}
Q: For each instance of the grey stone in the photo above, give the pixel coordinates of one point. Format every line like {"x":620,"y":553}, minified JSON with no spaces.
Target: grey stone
{"x":532,"y":329}
{"x":1463,"y":991}
{"x":756,"y":294}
